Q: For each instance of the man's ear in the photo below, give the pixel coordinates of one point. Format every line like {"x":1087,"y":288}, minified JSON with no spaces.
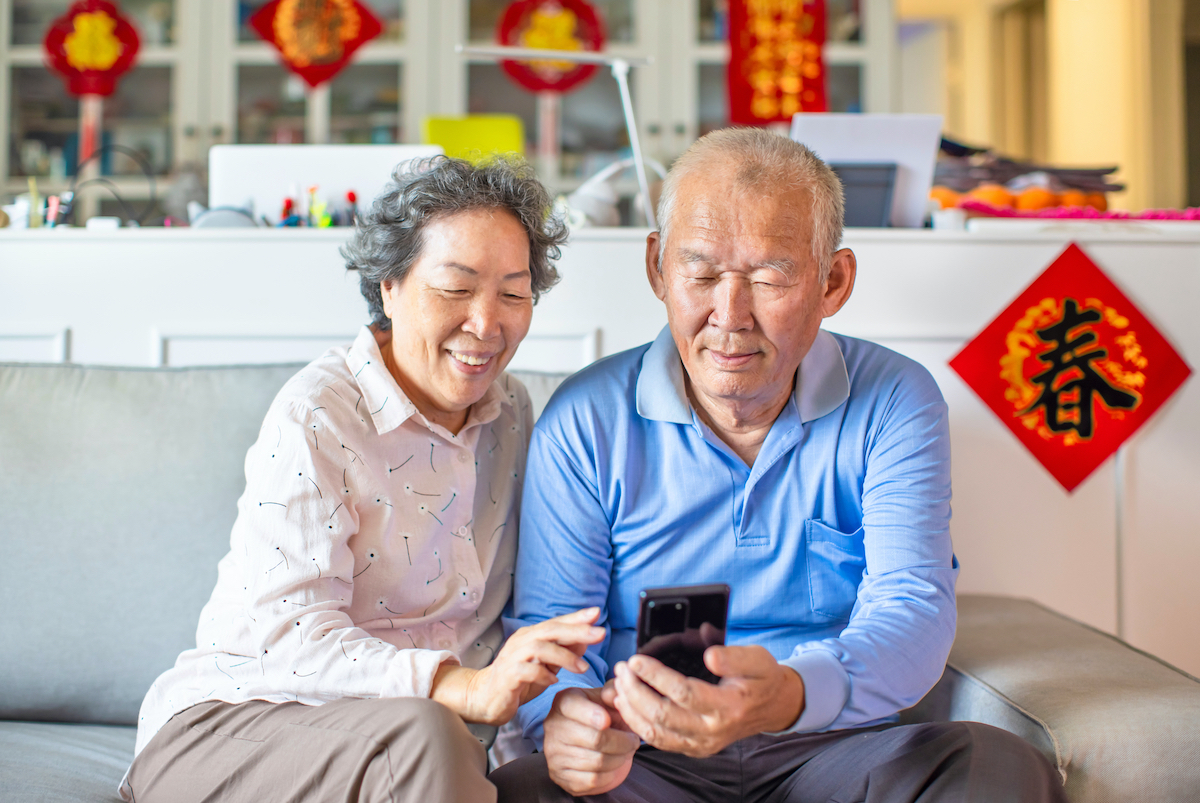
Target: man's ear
{"x":653,"y":244}
{"x":840,"y":283}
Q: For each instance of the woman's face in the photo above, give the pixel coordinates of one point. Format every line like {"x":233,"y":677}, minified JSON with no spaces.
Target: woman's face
{"x":461,"y":311}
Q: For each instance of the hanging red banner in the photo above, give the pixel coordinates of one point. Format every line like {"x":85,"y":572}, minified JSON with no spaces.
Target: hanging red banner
{"x":316,"y":38}
{"x":776,"y":60}
{"x":91,"y":46}
{"x":550,"y":25}
{"x":1072,"y":367}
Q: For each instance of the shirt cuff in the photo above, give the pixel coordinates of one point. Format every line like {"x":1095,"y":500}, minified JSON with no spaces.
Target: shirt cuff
{"x":826,"y":690}
{"x":410,"y":673}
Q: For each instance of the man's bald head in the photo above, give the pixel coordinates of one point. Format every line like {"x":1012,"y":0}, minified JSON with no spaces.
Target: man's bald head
{"x":765,"y":163}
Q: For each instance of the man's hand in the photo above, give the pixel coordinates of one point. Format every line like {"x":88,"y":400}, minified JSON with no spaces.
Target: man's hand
{"x":526,"y":665}
{"x":696,"y":718}
{"x":589,"y":749}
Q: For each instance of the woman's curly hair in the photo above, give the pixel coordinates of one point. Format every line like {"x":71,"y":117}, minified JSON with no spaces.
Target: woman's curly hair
{"x":389,"y":238}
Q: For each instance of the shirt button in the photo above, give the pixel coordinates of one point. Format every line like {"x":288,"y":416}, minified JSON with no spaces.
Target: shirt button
{"x":462,"y":457}
{"x":444,"y":643}
{"x":463,"y":531}
{"x":474,"y":596}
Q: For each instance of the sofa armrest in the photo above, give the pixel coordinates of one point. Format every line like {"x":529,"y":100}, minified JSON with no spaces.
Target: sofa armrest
{"x":1118,"y":723}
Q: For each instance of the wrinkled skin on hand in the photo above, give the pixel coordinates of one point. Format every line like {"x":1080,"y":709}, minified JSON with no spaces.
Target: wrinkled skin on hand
{"x":589,"y":748}
{"x":685,"y":715}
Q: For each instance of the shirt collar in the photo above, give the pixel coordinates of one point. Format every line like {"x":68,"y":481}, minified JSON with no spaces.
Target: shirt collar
{"x":821,"y":387}
{"x":388,"y":405}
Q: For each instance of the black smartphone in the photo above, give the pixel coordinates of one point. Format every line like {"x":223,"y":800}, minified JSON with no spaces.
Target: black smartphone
{"x":677,"y":624}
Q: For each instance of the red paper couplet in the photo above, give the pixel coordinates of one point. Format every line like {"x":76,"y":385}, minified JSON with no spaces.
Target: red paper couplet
{"x":1072,"y":367}
{"x":776,"y":60}
{"x":316,"y":38}
{"x":550,"y":25}
{"x":91,"y":46}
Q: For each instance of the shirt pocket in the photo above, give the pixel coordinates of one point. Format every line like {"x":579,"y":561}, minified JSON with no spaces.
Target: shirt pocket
{"x":836,"y":562}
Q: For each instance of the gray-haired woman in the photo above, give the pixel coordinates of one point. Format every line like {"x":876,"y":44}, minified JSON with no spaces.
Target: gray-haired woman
{"x":355,"y":622}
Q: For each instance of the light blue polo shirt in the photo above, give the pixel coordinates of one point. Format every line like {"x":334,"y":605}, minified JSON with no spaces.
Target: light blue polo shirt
{"x":835,"y":542}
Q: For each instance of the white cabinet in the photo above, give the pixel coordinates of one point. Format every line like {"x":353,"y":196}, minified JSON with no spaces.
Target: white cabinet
{"x":204,"y":78}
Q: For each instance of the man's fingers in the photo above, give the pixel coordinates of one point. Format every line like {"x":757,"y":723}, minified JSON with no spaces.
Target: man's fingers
{"x":576,"y":705}
{"x":580,"y":739}
{"x":747,"y":662}
{"x":581,"y":783}
{"x":643,"y":709}
{"x":666,"y":681}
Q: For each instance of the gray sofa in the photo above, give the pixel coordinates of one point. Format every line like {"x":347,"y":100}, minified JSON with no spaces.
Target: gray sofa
{"x":117,"y":492}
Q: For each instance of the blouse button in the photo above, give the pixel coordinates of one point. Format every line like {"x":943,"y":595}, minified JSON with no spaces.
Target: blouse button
{"x":462,"y":457}
{"x":463,"y":531}
{"x":474,"y":596}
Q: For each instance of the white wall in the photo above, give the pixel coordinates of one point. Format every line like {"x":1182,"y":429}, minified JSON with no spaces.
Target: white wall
{"x":1119,"y":553}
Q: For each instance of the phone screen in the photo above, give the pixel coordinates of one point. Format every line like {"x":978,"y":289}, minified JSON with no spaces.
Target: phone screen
{"x":676,"y":625}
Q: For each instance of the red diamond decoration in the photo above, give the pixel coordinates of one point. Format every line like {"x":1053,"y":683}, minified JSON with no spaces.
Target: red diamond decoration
{"x":316,"y":38}
{"x":1072,"y":367}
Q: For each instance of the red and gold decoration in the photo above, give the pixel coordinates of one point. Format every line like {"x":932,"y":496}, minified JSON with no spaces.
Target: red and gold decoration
{"x":776,"y":63}
{"x":1072,"y":367}
{"x":91,"y":46}
{"x":316,"y":38}
{"x":550,"y":25}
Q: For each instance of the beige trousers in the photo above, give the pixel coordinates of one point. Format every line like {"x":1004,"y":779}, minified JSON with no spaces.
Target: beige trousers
{"x":407,"y":750}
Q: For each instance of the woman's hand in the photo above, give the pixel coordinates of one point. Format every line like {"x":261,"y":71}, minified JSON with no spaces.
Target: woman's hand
{"x":526,"y":665}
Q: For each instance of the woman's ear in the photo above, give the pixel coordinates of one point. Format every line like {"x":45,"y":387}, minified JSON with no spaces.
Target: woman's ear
{"x":387,"y":292}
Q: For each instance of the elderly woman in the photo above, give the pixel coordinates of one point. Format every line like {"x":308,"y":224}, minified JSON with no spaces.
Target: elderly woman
{"x":355,"y":627}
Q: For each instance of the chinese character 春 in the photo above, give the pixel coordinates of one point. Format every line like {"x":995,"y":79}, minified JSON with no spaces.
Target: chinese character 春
{"x":1070,"y":382}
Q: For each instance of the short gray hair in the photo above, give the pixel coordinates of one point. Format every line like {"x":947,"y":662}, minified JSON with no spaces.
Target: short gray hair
{"x":762,"y":158}
{"x":389,"y":237}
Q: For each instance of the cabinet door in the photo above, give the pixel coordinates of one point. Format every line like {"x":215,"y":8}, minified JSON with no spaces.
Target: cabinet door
{"x":144,"y":119}
{"x":859,"y":49}
{"x":590,"y":119}
{"x":254,"y":99}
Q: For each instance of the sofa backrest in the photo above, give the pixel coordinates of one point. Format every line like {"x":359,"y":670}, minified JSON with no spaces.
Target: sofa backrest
{"x":118,"y":489}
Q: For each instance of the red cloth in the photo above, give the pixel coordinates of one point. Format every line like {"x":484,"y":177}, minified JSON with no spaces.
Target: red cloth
{"x":1072,"y":367}
{"x":776,"y":60}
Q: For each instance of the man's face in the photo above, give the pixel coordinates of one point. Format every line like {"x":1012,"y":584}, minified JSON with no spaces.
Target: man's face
{"x":743,"y":292}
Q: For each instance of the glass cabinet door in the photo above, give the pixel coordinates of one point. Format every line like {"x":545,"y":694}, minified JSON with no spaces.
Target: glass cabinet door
{"x":361,"y":104}
{"x":41,"y":119}
{"x":154,"y":19}
{"x":844,"y":57}
{"x":590,"y":119}
{"x":366,"y":104}
{"x":271,"y":105}
{"x":203,"y":77}
{"x":44,"y":128}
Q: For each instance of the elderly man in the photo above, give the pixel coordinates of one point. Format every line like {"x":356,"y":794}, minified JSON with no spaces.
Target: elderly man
{"x":808,"y":471}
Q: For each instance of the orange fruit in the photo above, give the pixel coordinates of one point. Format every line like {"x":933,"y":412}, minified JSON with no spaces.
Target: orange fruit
{"x":1098,"y":200}
{"x":993,"y":194}
{"x":945,"y":196}
{"x":1032,"y":198}
{"x":1073,"y":198}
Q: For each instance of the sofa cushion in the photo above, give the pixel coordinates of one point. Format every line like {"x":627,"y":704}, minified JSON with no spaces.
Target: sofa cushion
{"x":1119,"y":724}
{"x":48,"y":762}
{"x":119,"y":488}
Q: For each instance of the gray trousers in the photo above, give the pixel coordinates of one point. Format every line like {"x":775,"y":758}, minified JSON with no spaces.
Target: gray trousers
{"x":406,"y":749}
{"x":954,"y":762}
